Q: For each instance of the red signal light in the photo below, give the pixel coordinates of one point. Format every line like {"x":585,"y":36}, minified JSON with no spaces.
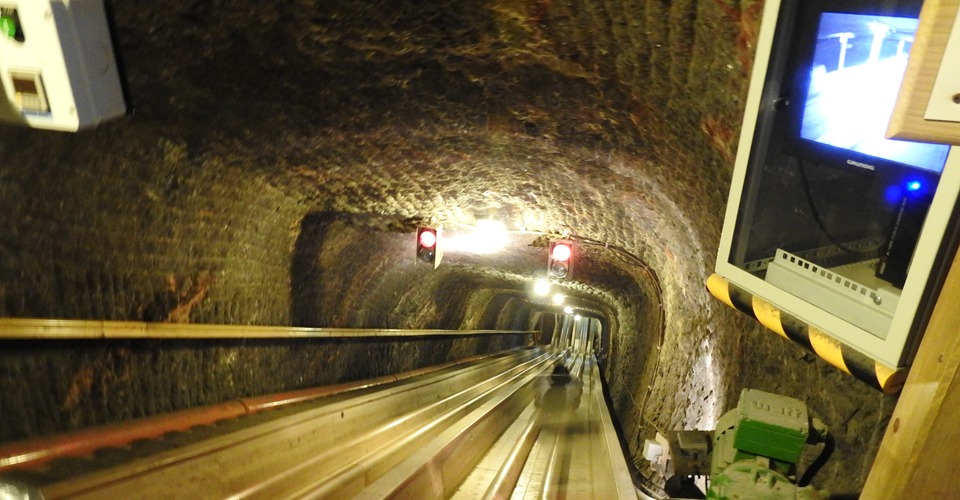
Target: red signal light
{"x":560,"y":259}
{"x":428,"y":245}
{"x":561,"y":252}
{"x":428,"y":239}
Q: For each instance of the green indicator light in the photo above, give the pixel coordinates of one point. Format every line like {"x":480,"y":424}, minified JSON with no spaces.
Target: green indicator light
{"x":8,"y":26}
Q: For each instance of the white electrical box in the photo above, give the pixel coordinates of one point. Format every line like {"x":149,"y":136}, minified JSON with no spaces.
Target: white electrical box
{"x":57,"y":66}
{"x":828,"y":221}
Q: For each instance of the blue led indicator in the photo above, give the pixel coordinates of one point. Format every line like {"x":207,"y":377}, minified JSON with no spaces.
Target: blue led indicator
{"x":893,"y":194}
{"x":913,"y":185}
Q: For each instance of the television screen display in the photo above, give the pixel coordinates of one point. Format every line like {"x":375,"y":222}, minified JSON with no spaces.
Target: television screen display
{"x":856,"y":67}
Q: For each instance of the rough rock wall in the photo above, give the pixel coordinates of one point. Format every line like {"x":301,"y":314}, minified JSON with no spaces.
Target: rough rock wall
{"x":121,"y":224}
{"x":51,"y":387}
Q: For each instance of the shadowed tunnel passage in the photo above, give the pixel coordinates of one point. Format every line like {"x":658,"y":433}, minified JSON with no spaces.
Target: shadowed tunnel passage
{"x":278,"y":157}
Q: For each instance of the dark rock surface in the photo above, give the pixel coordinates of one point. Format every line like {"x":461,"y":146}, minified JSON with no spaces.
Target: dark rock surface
{"x":278,"y":156}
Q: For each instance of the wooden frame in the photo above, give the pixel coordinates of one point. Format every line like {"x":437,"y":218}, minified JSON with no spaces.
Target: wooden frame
{"x":937,"y":19}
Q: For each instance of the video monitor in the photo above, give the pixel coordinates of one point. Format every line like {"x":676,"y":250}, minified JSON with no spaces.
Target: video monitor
{"x":847,"y":79}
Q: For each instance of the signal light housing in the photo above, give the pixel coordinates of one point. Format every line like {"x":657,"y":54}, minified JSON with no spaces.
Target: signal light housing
{"x":428,"y":245}
{"x":560,"y":259}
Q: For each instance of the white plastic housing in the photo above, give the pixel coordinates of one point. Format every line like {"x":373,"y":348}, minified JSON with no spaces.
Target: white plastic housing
{"x":652,"y":450}
{"x":63,"y":74}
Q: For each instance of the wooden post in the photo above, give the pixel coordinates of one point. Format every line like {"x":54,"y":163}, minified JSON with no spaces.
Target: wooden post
{"x":920,"y":451}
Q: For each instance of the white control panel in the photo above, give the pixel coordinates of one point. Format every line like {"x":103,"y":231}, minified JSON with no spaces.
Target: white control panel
{"x":57,"y":66}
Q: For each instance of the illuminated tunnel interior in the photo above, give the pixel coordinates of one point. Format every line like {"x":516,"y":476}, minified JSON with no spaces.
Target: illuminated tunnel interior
{"x":278,"y":157}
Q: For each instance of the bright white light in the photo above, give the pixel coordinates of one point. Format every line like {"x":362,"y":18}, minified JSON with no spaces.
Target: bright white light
{"x":568,"y":310}
{"x":703,"y":414}
{"x":558,"y":298}
{"x":489,"y":236}
{"x":878,"y":28}
{"x":576,"y":317}
{"x":541,"y":288}
{"x":493,"y":232}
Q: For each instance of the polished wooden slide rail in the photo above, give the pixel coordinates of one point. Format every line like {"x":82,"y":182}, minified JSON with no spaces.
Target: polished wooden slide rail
{"x":424,"y":436}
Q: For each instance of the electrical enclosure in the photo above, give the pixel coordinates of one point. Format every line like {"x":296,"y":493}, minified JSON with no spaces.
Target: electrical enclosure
{"x":824,"y":221}
{"x":57,"y":65}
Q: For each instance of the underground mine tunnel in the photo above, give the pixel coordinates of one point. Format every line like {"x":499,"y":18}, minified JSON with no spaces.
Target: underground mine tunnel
{"x":276,"y":160}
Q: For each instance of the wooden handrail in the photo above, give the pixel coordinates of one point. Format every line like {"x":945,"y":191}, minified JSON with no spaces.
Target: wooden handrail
{"x":29,"y":328}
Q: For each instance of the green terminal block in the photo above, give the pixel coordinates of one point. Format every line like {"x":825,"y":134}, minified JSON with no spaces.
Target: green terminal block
{"x":10,"y":24}
{"x":762,"y":425}
{"x":772,"y":426}
{"x":752,"y":453}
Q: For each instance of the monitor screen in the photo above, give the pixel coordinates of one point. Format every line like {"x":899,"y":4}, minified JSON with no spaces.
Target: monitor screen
{"x":857,"y":64}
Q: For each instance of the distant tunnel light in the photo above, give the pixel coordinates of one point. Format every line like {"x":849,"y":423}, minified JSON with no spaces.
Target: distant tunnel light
{"x":541,"y":288}
{"x":558,"y":298}
{"x":568,"y":310}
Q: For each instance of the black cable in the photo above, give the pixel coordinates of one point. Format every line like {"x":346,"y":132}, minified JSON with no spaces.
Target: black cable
{"x":816,"y":213}
{"x":828,"y":445}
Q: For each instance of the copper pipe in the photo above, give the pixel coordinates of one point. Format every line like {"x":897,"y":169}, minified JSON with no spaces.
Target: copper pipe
{"x":39,"y":451}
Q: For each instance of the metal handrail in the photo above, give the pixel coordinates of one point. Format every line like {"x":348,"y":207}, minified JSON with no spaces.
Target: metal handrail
{"x":30,"y":328}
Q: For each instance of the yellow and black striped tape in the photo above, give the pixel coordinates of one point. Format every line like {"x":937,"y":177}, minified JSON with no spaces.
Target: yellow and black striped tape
{"x":789,"y":327}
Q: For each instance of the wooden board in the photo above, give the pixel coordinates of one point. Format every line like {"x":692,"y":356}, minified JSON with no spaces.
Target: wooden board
{"x":921,"y":447}
{"x":937,"y":19}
